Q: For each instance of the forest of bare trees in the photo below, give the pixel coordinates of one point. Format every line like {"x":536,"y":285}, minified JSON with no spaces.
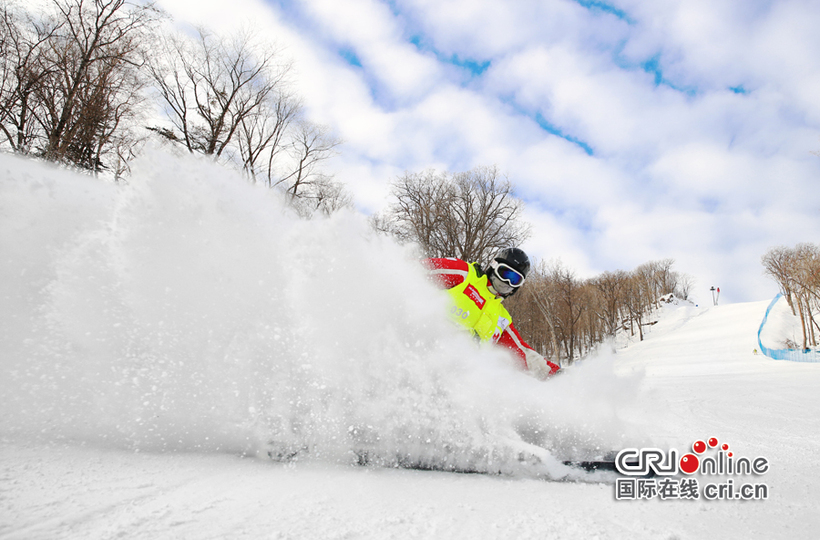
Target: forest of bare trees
{"x":565,"y":318}
{"x":82,"y":82}
{"x":797,"y":272}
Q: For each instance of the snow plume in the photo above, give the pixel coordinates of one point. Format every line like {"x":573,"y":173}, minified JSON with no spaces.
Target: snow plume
{"x":189,"y":311}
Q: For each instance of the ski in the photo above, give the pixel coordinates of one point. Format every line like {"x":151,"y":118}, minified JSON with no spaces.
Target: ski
{"x":593,"y":465}
{"x":599,"y":465}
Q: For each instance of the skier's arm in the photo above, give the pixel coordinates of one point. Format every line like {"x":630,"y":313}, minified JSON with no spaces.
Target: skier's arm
{"x":447,"y":272}
{"x":536,"y":364}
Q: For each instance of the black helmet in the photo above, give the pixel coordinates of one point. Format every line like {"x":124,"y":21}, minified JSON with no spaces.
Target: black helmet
{"x":507,"y":271}
{"x":515,"y":258}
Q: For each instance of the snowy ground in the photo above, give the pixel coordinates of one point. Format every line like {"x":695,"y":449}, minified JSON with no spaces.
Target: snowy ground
{"x":155,"y":339}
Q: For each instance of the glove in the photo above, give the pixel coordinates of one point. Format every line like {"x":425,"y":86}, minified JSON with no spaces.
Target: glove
{"x":540,"y":366}
{"x":554,"y":368}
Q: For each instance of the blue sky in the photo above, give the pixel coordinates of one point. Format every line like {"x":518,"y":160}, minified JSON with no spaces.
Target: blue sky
{"x":634,"y":129}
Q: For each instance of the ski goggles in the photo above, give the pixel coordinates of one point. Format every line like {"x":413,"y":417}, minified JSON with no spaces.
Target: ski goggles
{"x":507,"y":274}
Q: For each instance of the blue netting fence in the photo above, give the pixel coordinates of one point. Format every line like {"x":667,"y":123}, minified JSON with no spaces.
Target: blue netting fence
{"x":793,"y":355}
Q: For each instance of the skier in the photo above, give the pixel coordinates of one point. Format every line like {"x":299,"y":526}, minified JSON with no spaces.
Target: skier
{"x":477,"y":295}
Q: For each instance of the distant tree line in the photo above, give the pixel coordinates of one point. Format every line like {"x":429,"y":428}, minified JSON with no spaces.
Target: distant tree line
{"x":472,"y":214}
{"x":564,"y":317}
{"x":81,"y":83}
{"x":797,"y":272}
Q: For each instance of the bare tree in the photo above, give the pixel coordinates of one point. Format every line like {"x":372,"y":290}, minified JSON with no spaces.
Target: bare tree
{"x":778,"y":263}
{"x":212,"y":85}
{"x":310,"y":145}
{"x":684,"y":286}
{"x":72,"y":82}
{"x":23,"y":43}
{"x":262,"y":134}
{"x":419,"y":210}
{"x":324,"y":195}
{"x":797,"y":272}
{"x":570,"y":304}
{"x":96,"y":81}
{"x":610,"y":287}
{"x":468,"y":215}
{"x":230,"y":99}
{"x":112,"y":102}
{"x":486,"y":214}
{"x":542,"y":297}
{"x":637,"y":299}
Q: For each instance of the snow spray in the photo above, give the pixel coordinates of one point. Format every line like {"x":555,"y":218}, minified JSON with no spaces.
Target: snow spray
{"x":190,"y":311}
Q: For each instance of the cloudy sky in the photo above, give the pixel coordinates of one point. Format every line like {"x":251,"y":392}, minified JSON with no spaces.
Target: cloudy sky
{"x":633,"y":129}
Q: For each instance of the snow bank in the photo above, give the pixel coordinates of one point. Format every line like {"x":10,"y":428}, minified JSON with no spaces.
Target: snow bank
{"x":189,"y":311}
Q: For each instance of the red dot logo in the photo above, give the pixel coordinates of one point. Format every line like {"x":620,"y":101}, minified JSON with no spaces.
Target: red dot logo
{"x":713,"y":442}
{"x":724,"y":447}
{"x":730,"y":454}
{"x":699,"y":447}
{"x":689,"y":463}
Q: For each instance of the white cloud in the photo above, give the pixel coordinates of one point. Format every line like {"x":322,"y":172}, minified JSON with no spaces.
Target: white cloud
{"x":369,"y":28}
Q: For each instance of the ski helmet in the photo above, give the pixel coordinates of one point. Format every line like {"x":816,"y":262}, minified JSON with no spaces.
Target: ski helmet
{"x":514,"y":258}
{"x":504,"y":281}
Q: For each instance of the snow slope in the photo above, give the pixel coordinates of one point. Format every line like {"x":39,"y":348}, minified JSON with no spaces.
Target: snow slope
{"x":157,"y":340}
